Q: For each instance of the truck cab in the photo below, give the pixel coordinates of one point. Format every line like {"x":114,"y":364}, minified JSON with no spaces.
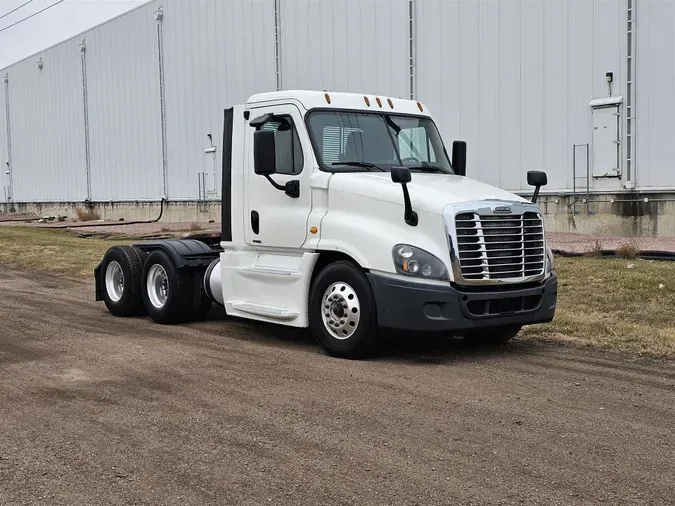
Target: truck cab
{"x":344,"y":213}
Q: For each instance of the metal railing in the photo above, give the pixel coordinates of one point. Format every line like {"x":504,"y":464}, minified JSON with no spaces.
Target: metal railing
{"x":575,"y":178}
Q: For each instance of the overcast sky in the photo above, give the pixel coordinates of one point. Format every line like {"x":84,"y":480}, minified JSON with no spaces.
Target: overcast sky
{"x":58,"y":23}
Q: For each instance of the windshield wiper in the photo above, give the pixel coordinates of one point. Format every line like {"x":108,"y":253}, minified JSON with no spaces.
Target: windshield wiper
{"x":429,"y":168}
{"x":367,"y":165}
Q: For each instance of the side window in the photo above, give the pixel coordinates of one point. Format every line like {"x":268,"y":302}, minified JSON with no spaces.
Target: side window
{"x":414,"y":143}
{"x":289,"y":151}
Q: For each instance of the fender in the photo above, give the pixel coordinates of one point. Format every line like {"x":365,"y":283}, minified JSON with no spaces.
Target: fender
{"x":183,"y":252}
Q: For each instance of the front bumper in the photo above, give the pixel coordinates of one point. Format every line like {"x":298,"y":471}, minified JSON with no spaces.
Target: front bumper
{"x":406,"y":305}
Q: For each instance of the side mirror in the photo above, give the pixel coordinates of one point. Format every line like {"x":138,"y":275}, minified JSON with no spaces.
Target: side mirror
{"x":402,"y":176}
{"x":264,"y":152}
{"x":459,"y":158}
{"x":536,"y":178}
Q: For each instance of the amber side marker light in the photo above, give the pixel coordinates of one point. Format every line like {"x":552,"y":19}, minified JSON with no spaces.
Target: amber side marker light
{"x":313,"y":230}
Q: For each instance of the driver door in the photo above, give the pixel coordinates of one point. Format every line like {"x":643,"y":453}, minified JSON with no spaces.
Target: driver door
{"x":273,"y":218}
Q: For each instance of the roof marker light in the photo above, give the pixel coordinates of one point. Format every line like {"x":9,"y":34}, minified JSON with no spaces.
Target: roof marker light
{"x":419,"y":106}
{"x":391,"y":104}
{"x":379,"y":102}
{"x":367,"y":101}
{"x":327,"y":97}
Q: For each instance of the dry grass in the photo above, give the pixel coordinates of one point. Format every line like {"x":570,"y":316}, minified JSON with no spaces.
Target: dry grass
{"x":55,"y":251}
{"x":604,"y":304}
{"x":194,"y":226}
{"x":630,"y":248}
{"x":87,"y":214}
{"x":595,"y":251}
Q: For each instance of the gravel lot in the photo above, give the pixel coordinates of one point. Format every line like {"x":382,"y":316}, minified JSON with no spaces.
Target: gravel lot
{"x":99,"y":410}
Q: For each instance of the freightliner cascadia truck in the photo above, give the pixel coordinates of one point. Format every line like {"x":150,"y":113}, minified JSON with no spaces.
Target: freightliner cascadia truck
{"x":344,"y":213}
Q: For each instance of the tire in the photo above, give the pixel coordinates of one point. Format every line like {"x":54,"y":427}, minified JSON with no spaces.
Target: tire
{"x":350,"y":288}
{"x":200,"y":302}
{"x":122,"y":270}
{"x":167,"y":291}
{"x":494,"y":336}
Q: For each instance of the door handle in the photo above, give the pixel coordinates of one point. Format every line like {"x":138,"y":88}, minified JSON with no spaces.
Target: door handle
{"x":255,"y":222}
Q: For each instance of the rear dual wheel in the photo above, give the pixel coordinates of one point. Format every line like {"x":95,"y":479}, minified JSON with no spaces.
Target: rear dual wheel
{"x":135,"y":283}
{"x":121,"y":269}
{"x":173,"y":295}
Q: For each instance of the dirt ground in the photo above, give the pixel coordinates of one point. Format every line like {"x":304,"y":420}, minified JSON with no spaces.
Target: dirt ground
{"x":99,"y":410}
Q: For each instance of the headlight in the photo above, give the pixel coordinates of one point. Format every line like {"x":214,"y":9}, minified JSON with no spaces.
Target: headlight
{"x":549,"y":260}
{"x":413,"y":261}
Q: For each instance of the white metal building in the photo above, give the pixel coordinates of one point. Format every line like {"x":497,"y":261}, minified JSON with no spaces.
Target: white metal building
{"x":123,"y":112}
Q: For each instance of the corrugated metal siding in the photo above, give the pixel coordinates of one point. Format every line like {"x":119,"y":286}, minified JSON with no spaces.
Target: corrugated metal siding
{"x":47,"y":127}
{"x":514,"y":79}
{"x":4,"y":179}
{"x":346,"y":45}
{"x":124,"y":108}
{"x":216,"y":54}
{"x":655,"y":93}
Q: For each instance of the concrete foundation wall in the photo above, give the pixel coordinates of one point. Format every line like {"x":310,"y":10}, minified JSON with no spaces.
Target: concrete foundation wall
{"x":627,"y":215}
{"x":175,"y":211}
{"x":621,"y":214}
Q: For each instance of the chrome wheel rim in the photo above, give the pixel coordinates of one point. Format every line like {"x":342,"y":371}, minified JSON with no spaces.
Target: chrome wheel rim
{"x":114,"y":281}
{"x":157,"y":286}
{"x":340,"y":310}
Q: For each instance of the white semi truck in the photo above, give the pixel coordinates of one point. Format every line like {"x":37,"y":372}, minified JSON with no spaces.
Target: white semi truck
{"x":344,"y":213}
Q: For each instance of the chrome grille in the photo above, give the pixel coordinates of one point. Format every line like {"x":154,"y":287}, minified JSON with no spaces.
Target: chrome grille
{"x":494,"y":247}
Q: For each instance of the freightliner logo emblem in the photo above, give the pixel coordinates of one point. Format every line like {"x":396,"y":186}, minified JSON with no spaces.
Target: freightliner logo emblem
{"x":501,"y":209}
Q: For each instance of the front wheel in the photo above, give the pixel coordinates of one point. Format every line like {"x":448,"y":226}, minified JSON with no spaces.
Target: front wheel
{"x":342,"y":312}
{"x":495,"y":336}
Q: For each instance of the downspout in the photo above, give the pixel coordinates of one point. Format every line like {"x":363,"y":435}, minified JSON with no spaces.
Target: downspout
{"x":631,"y":180}
{"x":85,"y":112}
{"x":159,"y":16}
{"x":277,"y":41}
{"x":411,"y":47}
{"x":10,"y":193}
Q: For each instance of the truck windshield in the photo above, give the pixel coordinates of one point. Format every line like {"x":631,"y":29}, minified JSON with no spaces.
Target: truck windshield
{"x":356,"y":141}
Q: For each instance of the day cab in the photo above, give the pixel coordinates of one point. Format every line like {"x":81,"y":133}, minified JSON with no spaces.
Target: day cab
{"x":345,"y":213}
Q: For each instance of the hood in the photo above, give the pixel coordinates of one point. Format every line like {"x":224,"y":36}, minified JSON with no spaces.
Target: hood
{"x":428,"y":192}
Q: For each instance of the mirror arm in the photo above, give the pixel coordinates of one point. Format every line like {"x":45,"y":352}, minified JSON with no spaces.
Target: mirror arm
{"x":536,"y":194}
{"x":274,"y":183}
{"x":410,"y":216}
{"x":291,"y":188}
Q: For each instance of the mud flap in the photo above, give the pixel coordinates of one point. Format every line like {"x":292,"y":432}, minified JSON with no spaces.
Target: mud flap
{"x":98,"y":283}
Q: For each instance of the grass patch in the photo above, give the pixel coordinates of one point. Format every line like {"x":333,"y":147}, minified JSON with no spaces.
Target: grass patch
{"x":604,"y":304}
{"x":55,"y":251}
